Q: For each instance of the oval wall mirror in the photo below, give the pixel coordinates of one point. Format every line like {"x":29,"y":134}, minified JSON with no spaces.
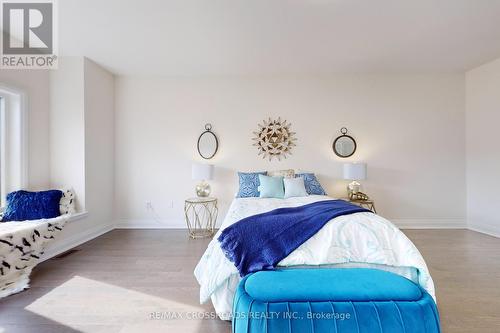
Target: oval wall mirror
{"x":208,"y":143}
{"x":344,"y":146}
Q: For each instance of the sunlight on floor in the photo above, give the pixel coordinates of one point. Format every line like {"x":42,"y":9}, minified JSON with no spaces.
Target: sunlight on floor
{"x":101,"y":303}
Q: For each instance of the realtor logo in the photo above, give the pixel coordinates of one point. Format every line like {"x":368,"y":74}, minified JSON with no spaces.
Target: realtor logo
{"x":28,"y":34}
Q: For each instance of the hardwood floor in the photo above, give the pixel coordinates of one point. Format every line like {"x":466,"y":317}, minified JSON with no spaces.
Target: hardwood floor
{"x":128,"y":280}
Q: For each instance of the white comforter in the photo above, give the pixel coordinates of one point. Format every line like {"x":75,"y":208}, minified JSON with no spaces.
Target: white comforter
{"x":361,"y":239}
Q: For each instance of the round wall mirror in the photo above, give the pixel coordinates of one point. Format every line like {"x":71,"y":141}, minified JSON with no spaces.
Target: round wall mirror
{"x":208,"y":143}
{"x":344,"y":145}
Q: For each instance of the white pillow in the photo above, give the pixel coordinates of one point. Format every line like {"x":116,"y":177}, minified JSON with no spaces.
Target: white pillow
{"x":294,"y":187}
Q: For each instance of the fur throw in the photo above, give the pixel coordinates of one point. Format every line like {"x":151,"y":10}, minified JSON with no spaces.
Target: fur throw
{"x":21,"y":246}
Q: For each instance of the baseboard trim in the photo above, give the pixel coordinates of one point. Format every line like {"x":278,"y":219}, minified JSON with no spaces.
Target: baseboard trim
{"x":400,"y":223}
{"x":485,"y":229}
{"x":76,"y":240}
{"x":176,"y":224}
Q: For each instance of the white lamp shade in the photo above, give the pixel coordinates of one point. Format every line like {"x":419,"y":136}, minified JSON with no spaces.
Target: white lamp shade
{"x":355,"y":171}
{"x":200,"y":171}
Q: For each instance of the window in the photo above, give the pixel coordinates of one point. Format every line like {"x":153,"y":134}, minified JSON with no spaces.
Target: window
{"x":2,"y":151}
{"x":13,"y":149}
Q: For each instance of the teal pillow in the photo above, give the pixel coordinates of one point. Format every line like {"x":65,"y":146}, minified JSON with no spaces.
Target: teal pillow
{"x":271,"y":187}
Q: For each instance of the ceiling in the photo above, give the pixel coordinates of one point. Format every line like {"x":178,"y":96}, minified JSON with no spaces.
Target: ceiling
{"x":280,"y":37}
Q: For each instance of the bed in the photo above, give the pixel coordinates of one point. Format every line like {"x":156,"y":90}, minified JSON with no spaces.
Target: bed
{"x":363,"y":240}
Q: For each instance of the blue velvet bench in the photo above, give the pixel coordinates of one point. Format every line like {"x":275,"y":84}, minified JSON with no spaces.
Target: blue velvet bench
{"x":332,"y":300}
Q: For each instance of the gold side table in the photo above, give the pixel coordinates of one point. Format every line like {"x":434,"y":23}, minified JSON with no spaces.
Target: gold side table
{"x":201,"y":215}
{"x":368,"y":204}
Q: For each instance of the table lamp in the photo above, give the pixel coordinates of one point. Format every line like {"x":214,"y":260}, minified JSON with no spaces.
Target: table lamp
{"x":354,"y":172}
{"x":203,"y":172}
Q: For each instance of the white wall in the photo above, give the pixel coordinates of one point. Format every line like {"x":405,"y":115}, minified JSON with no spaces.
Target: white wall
{"x":409,"y":129}
{"x":483,"y":138}
{"x":82,"y":145}
{"x":99,"y":142}
{"x":35,"y":85}
{"x":67,"y":128}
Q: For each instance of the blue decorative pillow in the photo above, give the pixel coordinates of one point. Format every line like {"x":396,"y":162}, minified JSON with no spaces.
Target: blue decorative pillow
{"x":312,"y":184}
{"x":249,"y":184}
{"x":24,"y":205}
{"x":271,"y":187}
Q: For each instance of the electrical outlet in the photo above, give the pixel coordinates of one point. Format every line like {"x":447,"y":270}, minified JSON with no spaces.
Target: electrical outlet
{"x":149,"y":205}
{"x":172,"y":204}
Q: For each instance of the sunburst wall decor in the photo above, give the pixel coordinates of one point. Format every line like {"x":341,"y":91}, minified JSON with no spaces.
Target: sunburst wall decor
{"x":274,"y":139}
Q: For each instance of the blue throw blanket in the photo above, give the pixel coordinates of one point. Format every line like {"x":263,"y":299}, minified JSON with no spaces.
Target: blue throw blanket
{"x":261,"y":241}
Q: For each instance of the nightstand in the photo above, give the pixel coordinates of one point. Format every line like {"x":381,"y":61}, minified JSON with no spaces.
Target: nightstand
{"x":201,"y":215}
{"x":368,"y":204}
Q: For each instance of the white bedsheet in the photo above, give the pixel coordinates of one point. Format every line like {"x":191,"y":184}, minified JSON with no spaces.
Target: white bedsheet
{"x":361,"y":240}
